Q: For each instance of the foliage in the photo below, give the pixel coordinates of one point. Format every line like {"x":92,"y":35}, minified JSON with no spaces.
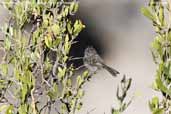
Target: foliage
{"x":121,"y":95}
{"x":35,"y":77}
{"x":159,"y":12}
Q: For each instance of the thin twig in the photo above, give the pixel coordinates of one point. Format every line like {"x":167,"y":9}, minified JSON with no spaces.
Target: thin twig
{"x":33,"y":102}
{"x":57,"y":110}
{"x":1,"y":40}
{"x":66,"y":104}
{"x":46,"y":105}
{"x":91,"y":110}
{"x":75,"y":106}
{"x":41,"y":65}
{"x":78,"y":68}
{"x":43,"y":107}
{"x":49,"y":107}
{"x":75,"y":58}
{"x":55,"y":67}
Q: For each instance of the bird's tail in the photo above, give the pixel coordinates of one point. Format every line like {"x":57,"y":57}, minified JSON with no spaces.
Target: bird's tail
{"x":112,"y":71}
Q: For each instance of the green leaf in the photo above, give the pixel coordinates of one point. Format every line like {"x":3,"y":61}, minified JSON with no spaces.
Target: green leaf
{"x":57,"y":41}
{"x":8,"y":4}
{"x":169,"y":34}
{"x":159,"y":111}
{"x":65,"y":58}
{"x":61,"y":72}
{"x":10,"y":110}
{"x":34,"y":56}
{"x":161,"y":14}
{"x":45,"y":21}
{"x":161,"y":86}
{"x":48,"y":40}
{"x":79,"y":81}
{"x":28,"y":79}
{"x":63,"y":108}
{"x":146,"y":12}
{"x":3,"y":84}
{"x":79,"y":106}
{"x":24,"y":91}
{"x":80,"y":93}
{"x":116,"y":112}
{"x":166,"y":69}
{"x":154,"y":86}
{"x":55,"y":88}
{"x":56,"y":29}
{"x":65,"y":12}
{"x":69,"y":28}
{"x":155,"y":101}
{"x":53,"y":93}
{"x":16,"y":73}
{"x":7,"y":44}
{"x":69,"y":82}
{"x":23,"y":109}
{"x":151,"y":106}
{"x":67,"y":45}
{"x":78,"y":26}
{"x":156,"y":44}
{"x":74,"y":7}
{"x":154,"y":106}
{"x":4,"y":69}
{"x":85,"y":74}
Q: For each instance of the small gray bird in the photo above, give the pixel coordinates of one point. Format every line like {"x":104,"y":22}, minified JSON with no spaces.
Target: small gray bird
{"x":94,"y":62}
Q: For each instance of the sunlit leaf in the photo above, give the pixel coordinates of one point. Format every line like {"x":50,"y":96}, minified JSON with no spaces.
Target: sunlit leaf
{"x":67,"y":45}
{"x":23,"y":109}
{"x":53,"y":93}
{"x":74,"y":7}
{"x":57,"y":41}
{"x":148,"y":13}
{"x":161,"y":14}
{"x":4,"y":69}
{"x":79,"y":81}
{"x":7,"y":44}
{"x":78,"y":26}
{"x":56,"y":29}
{"x":61,"y":72}
{"x":10,"y":110}
{"x":48,"y":40}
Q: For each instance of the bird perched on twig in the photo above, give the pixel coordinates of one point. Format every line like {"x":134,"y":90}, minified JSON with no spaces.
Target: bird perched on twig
{"x":94,"y":62}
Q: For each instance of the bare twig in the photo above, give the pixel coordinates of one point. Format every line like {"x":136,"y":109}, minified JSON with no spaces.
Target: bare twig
{"x":91,"y":110}
{"x":67,"y":105}
{"x":33,"y":102}
{"x":75,"y":58}
{"x":57,"y":110}
{"x":82,"y":66}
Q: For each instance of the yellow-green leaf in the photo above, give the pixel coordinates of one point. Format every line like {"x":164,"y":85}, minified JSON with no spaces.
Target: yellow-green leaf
{"x":79,"y":81}
{"x":146,"y":12}
{"x":67,"y":44}
{"x":48,"y":40}
{"x":61,"y":72}
{"x":7,"y":44}
{"x":78,"y":26}
{"x":56,"y":29}
{"x":4,"y":69}
{"x":10,"y":109}
{"x":74,"y":7}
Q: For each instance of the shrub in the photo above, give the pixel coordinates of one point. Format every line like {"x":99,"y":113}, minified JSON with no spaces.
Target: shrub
{"x":35,"y":76}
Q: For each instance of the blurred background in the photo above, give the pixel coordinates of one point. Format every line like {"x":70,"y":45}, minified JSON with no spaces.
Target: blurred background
{"x":122,"y":36}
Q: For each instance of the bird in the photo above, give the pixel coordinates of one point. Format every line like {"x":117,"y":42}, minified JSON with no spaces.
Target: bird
{"x":93,"y":62}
